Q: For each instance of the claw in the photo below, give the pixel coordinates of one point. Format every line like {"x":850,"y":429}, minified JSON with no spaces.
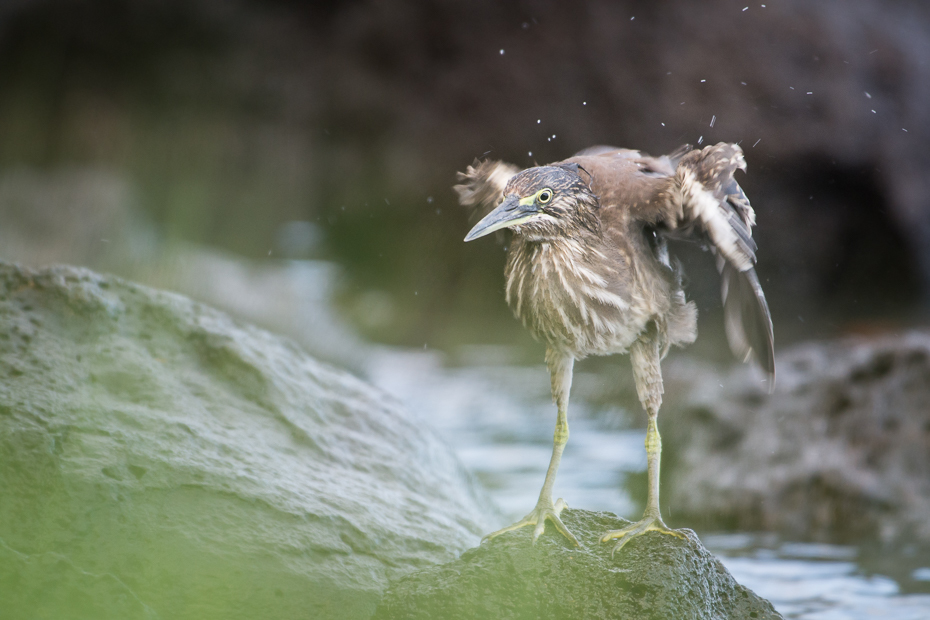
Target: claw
{"x":538,"y":516}
{"x":646,"y":524}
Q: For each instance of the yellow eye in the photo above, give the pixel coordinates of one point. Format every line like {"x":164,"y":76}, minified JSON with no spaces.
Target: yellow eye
{"x":544,"y":196}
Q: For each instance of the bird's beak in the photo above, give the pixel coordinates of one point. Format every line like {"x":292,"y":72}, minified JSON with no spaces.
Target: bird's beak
{"x":513,"y":211}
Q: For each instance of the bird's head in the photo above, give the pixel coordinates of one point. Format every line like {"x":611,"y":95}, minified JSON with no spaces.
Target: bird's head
{"x":546,"y":202}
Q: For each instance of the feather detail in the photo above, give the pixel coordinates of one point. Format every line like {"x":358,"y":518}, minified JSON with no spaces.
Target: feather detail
{"x":481,"y":186}
{"x":713,"y":202}
{"x":588,"y":268}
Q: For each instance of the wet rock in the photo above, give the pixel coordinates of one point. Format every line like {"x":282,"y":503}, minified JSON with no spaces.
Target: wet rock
{"x":158,"y":459}
{"x":294,"y":298}
{"x":840,"y":451}
{"x":654,"y":576}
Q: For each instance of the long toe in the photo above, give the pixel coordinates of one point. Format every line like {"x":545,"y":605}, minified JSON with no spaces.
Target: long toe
{"x":646,"y":524}
{"x":557,"y":522}
{"x":537,"y":517}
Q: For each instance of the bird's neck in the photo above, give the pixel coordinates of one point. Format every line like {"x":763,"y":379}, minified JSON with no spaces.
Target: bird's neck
{"x":535,"y":267}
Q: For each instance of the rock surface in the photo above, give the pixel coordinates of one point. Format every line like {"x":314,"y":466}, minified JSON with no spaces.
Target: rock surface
{"x":654,"y":576}
{"x":840,"y":451}
{"x":157,"y":459}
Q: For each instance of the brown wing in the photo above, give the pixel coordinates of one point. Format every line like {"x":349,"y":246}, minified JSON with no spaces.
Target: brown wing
{"x":481,"y":186}
{"x":688,"y":194}
{"x":663,"y":166}
{"x":712,"y":204}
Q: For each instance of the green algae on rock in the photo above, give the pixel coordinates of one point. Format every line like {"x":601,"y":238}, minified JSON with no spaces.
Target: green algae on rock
{"x":655,"y":576}
{"x":159,"y":459}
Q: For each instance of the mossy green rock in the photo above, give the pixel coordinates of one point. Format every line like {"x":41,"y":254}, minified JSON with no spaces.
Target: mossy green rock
{"x":654,"y":577}
{"x":159,"y":460}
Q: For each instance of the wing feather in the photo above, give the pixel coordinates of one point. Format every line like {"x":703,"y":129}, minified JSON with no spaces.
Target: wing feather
{"x":481,"y":186}
{"x":711,"y":202}
{"x":686,"y":193}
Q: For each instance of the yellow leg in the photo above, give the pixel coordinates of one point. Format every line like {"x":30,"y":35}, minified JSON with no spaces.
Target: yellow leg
{"x":545,"y":509}
{"x":652,"y":519}
{"x":560,"y":369}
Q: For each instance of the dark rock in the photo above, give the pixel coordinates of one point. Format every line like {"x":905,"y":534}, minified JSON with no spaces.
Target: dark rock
{"x":158,"y":459}
{"x":653,"y":576}
{"x":840,"y":451}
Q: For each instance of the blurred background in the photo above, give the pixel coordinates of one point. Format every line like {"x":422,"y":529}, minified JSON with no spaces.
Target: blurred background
{"x":292,"y":163}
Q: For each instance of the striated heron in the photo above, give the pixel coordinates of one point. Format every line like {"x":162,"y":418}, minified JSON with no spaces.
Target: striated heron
{"x":589,"y":273}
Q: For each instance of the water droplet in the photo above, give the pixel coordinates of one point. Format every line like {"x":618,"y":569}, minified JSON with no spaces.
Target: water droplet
{"x":873,"y":111}
{"x":702,"y":81}
{"x":530,"y":153}
{"x":632,"y":18}
{"x":429,"y":200}
{"x":867,"y":95}
{"x":756,"y":142}
{"x":746,"y":9}
{"x":502,"y":52}
{"x":538,"y":121}
{"x":701,"y":139}
{"x":713,"y":120}
{"x":810,"y":92}
{"x":663,"y":124}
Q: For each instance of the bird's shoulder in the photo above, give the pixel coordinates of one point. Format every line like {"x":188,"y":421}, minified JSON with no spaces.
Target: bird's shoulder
{"x":627,"y":183}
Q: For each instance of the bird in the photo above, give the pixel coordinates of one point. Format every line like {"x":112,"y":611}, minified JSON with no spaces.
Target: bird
{"x":589,"y":272}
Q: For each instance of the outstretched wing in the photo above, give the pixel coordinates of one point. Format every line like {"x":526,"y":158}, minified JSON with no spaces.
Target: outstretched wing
{"x":481,"y":186}
{"x":707,"y":200}
{"x":713,"y":203}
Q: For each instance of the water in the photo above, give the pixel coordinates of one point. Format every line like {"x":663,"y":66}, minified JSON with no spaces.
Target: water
{"x":499,"y":419}
{"x":814,"y":581}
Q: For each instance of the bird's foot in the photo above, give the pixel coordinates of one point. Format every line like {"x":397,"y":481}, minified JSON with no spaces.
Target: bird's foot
{"x":545,"y":509}
{"x":649,"y":523}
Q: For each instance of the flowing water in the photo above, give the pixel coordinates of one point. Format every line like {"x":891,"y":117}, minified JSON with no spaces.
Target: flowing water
{"x":499,"y":420}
